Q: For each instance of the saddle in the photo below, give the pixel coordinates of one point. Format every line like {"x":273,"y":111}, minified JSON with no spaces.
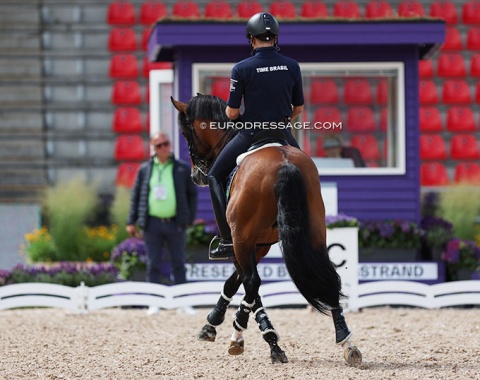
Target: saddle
{"x":264,"y":139}
{"x":268,"y":136}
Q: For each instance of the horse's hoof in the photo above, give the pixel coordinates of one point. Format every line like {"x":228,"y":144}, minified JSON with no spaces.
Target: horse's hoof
{"x":353,"y":356}
{"x":207,"y":334}
{"x":236,"y":348}
{"x":278,"y":356}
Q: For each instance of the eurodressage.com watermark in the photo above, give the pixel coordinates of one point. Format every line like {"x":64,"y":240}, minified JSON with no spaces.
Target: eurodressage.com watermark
{"x":316,"y":125}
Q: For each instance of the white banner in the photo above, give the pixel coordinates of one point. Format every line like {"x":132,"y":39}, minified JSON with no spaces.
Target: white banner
{"x":268,"y":271}
{"x":398,"y":271}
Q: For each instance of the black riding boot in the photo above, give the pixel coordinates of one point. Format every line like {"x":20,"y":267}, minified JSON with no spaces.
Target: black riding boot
{"x":219,"y":203}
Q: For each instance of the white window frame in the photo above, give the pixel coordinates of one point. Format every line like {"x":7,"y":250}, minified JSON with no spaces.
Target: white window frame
{"x":163,"y":116}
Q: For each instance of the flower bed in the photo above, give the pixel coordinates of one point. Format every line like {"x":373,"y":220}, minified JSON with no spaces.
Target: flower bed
{"x":62,"y":273}
{"x":390,"y":234}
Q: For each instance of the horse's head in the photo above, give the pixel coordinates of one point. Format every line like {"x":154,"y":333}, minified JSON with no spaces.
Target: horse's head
{"x":203,"y":124}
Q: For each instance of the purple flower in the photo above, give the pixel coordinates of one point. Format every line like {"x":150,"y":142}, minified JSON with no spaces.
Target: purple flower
{"x":389,"y":234}
{"x":429,"y":223}
{"x":65,"y":273}
{"x":405,"y":227}
{"x":386,"y":230}
{"x":130,"y":247}
{"x":341,"y":220}
{"x":4,"y":273}
{"x":4,"y":276}
{"x":462,"y":254}
{"x":452,"y":253}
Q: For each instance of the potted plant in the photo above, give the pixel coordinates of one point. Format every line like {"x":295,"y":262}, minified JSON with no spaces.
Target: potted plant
{"x":463,"y":259}
{"x":199,"y":236}
{"x":437,"y":233}
{"x":341,"y":221}
{"x":390,"y":240}
{"x":130,"y":258}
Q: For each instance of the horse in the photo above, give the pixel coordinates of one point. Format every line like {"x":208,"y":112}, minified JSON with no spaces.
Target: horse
{"x":274,"y":195}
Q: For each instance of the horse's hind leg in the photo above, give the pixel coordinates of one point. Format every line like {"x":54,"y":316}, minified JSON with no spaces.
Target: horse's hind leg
{"x":217,"y":315}
{"x":269,"y":333}
{"x":343,"y":336}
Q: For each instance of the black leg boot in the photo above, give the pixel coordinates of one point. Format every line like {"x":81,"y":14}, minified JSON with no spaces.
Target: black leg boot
{"x":342,"y":333}
{"x":219,"y":203}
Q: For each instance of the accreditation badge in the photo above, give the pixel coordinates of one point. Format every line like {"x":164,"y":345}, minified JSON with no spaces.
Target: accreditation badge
{"x":160,"y":192}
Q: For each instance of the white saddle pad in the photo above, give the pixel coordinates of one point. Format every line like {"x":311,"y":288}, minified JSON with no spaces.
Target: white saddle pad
{"x":243,"y":155}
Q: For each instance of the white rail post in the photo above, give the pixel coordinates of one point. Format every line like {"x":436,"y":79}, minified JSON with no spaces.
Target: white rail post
{"x":82,"y":298}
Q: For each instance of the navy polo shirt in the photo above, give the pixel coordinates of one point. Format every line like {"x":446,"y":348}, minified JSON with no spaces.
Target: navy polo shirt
{"x":270,"y":84}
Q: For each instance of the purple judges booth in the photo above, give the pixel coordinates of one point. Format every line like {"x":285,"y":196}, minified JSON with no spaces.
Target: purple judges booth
{"x":360,"y":82}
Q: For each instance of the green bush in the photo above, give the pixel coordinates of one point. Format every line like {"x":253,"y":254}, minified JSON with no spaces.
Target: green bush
{"x":119,"y":212}
{"x":68,"y":206}
{"x":39,"y":246}
{"x":100,"y":242}
{"x":96,"y":247}
{"x":460,"y":205}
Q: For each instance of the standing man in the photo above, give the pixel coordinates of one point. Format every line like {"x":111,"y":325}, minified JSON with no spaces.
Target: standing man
{"x":270,"y":85}
{"x":163,"y":204}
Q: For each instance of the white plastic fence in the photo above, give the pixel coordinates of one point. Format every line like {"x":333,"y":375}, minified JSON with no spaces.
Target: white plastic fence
{"x":83,"y":299}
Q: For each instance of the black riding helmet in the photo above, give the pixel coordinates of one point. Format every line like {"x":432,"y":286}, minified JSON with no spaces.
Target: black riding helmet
{"x":262,"y":26}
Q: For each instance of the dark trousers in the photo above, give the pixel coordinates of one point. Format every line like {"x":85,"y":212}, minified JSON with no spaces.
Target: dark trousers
{"x":156,"y":235}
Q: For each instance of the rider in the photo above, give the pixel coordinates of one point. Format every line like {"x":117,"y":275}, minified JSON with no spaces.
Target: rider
{"x":270,"y":85}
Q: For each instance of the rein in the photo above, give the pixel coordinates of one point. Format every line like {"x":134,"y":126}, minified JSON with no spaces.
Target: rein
{"x":203,"y":164}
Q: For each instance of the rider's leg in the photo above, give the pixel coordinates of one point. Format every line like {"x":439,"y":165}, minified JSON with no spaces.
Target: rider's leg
{"x":219,"y":204}
{"x":220,"y":170}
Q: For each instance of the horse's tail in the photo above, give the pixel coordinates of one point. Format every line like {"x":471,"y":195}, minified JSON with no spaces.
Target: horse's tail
{"x":310,"y":268}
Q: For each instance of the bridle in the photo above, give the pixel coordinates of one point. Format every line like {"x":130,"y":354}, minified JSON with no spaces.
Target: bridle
{"x":203,"y":164}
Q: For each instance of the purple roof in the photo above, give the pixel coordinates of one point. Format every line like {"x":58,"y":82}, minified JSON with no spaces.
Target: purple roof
{"x":427,"y":34}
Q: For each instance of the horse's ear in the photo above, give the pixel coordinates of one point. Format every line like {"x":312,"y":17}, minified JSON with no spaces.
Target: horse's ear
{"x":181,"y":107}
{"x":198,"y":94}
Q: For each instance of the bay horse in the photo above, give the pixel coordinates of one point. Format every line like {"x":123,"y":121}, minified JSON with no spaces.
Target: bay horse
{"x":275,"y":195}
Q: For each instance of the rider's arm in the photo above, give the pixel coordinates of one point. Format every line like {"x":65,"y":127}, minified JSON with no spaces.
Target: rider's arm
{"x":232,"y":113}
{"x":297,"y":110}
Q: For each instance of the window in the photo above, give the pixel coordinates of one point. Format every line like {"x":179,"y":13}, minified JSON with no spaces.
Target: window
{"x":372,"y":89}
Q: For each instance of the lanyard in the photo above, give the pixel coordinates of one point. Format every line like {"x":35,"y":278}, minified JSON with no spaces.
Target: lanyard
{"x":161,"y":169}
